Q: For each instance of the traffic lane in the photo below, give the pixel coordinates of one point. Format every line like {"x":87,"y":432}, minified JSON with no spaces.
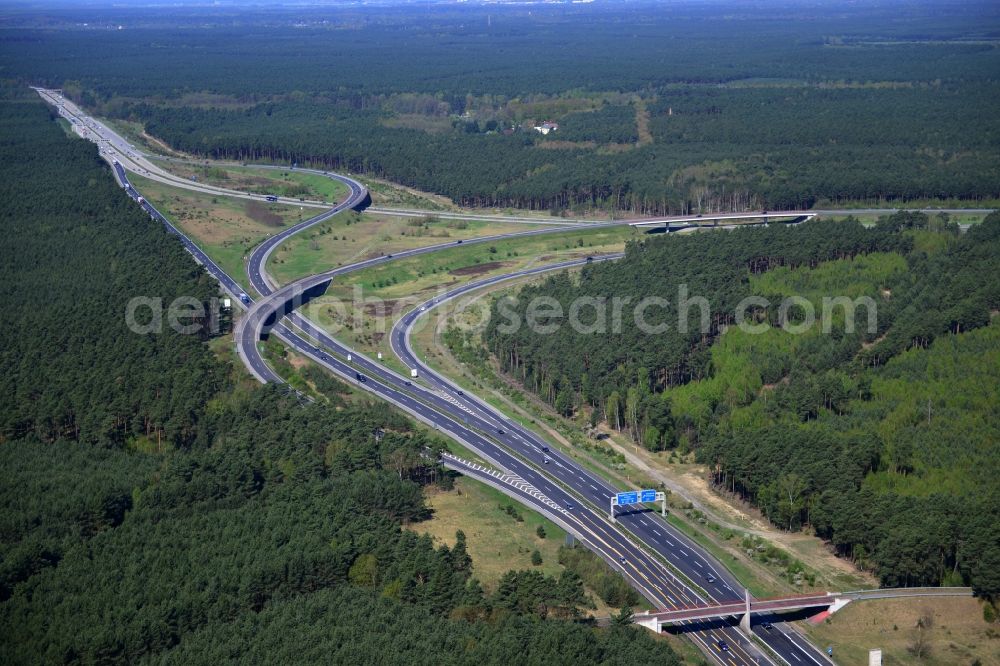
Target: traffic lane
{"x":710,"y":639}
{"x":257,"y":269}
{"x":441,"y":422}
{"x":509,"y":462}
{"x":259,"y":364}
{"x":695,"y":564}
{"x":652,"y":530}
{"x":635,"y":564}
{"x":694,"y":569}
{"x":258,"y":361}
{"x":256,"y":266}
{"x":692,"y":566}
{"x":699,"y":568}
{"x":649,"y":568}
{"x":118,"y":143}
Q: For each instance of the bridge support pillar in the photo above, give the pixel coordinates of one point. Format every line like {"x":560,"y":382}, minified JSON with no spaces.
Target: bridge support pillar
{"x":745,"y":620}
{"x":652,"y":623}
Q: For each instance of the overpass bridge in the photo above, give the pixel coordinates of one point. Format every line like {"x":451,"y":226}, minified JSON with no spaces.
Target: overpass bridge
{"x":724,"y":220}
{"x":830,"y":601}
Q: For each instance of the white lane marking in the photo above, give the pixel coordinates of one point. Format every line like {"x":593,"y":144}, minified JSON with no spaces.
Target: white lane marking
{"x":805,"y":650}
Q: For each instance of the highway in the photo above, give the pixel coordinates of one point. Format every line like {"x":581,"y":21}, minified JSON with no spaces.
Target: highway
{"x":646,"y":573}
{"x":525,"y":483}
{"x":560,"y":488}
{"x":477,"y":426}
{"x":444,"y":413}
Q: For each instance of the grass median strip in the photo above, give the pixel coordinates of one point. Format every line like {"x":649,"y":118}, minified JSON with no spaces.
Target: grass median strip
{"x":226,"y":228}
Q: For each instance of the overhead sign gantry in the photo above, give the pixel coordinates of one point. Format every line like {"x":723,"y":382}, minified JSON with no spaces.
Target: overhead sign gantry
{"x":631,"y":497}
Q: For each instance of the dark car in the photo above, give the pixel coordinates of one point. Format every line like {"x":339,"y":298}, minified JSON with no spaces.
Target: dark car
{"x":545,"y":448}
{"x":766,"y":626}
{"x":570,"y":506}
{"x":360,"y":377}
{"x":723,"y":645}
{"x":710,"y":578}
{"x":461,"y":393}
{"x":500,"y":431}
{"x":458,"y":242}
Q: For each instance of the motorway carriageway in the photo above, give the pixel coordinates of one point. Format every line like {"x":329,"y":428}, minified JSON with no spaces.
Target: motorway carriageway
{"x":472,"y":419}
{"x":647,"y":574}
{"x":644,"y":572}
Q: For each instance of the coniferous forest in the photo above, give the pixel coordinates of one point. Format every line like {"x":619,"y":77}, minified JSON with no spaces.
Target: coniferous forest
{"x":882,"y":440}
{"x":154,"y":510}
{"x":157,"y":506}
{"x":662,"y":108}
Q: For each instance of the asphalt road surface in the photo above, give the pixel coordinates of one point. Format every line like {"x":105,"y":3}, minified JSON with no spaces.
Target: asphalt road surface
{"x":545,"y":479}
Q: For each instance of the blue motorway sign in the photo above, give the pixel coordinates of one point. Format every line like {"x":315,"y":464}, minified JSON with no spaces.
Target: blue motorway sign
{"x":648,"y":496}
{"x":627,"y":498}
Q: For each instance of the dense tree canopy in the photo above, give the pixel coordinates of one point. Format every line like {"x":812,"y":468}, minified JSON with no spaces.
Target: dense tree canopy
{"x":884,"y":440}
{"x":73,"y":369}
{"x":681,"y":268}
{"x":662,"y":108}
{"x":260,"y":529}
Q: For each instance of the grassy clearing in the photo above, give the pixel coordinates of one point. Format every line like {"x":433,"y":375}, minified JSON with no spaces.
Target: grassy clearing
{"x":452,"y":267}
{"x":496,"y":540}
{"x":953,"y":632}
{"x":135,"y":133}
{"x":406,"y":282}
{"x":642,"y":122}
{"x":419,"y":121}
{"x":66,"y":127}
{"x":392,"y":195}
{"x":351,"y":237}
{"x":285,"y":182}
{"x":227,"y":228}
